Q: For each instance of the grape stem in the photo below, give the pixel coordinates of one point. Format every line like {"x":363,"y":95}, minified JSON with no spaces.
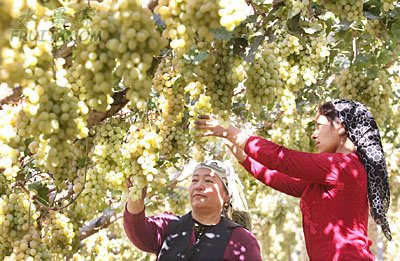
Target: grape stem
{"x":11,"y":97}
{"x":103,"y":221}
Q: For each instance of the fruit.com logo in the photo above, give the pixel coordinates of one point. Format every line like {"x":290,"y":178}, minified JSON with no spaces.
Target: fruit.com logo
{"x":58,"y":29}
{"x":82,"y":35}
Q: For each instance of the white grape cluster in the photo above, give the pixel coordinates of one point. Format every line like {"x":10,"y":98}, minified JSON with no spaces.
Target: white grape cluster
{"x":225,"y":73}
{"x":54,"y":118}
{"x":58,"y":235}
{"x":202,"y":106}
{"x":314,"y":55}
{"x":297,"y":7}
{"x":388,"y":5}
{"x":11,"y":13}
{"x":286,"y":48}
{"x":174,"y":13}
{"x":10,"y":145}
{"x":346,"y":9}
{"x":290,"y":129}
{"x":17,"y":218}
{"x":171,"y":103}
{"x":375,"y":91}
{"x":51,"y":114}
{"x":136,"y":44}
{"x":191,"y":22}
{"x":374,"y":27}
{"x":11,"y":63}
{"x":91,"y":73}
{"x":142,"y":147}
{"x":108,"y":165}
{"x":232,"y":13}
{"x":298,"y":65}
{"x":262,"y":81}
{"x":125,"y":51}
{"x":30,"y":247}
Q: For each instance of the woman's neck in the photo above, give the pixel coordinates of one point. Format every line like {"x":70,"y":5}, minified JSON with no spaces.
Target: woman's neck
{"x":206,"y":218}
{"x":346,"y":147}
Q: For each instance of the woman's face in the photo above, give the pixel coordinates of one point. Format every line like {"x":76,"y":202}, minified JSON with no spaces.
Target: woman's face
{"x":327,"y":134}
{"x":206,"y":191}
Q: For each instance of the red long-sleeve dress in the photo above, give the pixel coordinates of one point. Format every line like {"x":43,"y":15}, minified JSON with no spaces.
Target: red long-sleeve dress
{"x":333,"y":192}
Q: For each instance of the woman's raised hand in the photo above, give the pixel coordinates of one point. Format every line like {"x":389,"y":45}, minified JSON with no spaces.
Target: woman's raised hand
{"x":137,"y":206}
{"x":209,"y":124}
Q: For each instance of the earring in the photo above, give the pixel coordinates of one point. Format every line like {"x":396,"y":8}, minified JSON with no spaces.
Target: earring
{"x":226,"y":205}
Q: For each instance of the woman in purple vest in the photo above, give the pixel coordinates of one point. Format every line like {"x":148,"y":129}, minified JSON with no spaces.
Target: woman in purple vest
{"x":215,"y":229}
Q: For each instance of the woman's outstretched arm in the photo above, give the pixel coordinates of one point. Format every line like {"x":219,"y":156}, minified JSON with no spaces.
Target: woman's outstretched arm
{"x":272,"y":178}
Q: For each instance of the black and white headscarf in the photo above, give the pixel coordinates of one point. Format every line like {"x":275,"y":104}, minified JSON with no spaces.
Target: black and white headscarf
{"x":363,"y":131}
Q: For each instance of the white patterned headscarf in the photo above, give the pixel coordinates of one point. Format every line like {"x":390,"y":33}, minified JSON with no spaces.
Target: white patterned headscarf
{"x":237,"y":209}
{"x":362,"y":130}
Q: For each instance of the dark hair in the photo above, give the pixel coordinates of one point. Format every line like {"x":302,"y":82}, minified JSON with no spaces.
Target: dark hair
{"x":328,"y":110}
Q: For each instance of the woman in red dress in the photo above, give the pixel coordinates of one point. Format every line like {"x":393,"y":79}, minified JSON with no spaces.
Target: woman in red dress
{"x":337,"y":186}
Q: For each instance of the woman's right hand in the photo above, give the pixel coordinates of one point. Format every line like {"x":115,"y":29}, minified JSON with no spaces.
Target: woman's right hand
{"x":210,"y":126}
{"x":213,"y":128}
{"x":137,"y":206}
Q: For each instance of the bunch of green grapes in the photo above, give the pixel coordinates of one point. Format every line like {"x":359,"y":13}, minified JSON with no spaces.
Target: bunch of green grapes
{"x":221,"y":81}
{"x":175,"y":16}
{"x":54,"y":118}
{"x":171,"y":103}
{"x":237,"y":72}
{"x":232,"y":13}
{"x":204,"y":16}
{"x":374,"y":27}
{"x":10,"y":144}
{"x":108,"y":166}
{"x":30,"y":247}
{"x":345,"y":9}
{"x":285,"y":44}
{"x":317,"y":52}
{"x":299,"y":65}
{"x":188,"y":22}
{"x":91,"y":75}
{"x":202,"y":106}
{"x":375,"y":91}
{"x":142,"y":147}
{"x":291,"y":128}
{"x":58,"y":235}
{"x":287,"y":49}
{"x":11,"y":63}
{"x":51,"y":115}
{"x":191,"y":22}
{"x":17,"y":218}
{"x":263,"y":80}
{"x":138,"y":41}
{"x":194,"y":89}
{"x":12,"y":13}
{"x":388,"y":5}
{"x":298,"y":7}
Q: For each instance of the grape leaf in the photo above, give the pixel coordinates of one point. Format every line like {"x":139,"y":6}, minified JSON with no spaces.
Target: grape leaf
{"x":257,"y":41}
{"x":222,"y":34}
{"x":239,"y":46}
{"x":42,"y":191}
{"x":395,"y":29}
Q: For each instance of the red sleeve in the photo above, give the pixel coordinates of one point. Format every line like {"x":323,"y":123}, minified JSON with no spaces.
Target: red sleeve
{"x":275,"y":179}
{"x":242,"y":245}
{"x":320,"y":168}
{"x":147,"y":233}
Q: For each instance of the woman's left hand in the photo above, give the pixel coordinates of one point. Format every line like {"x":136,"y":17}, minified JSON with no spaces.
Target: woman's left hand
{"x":210,"y":125}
